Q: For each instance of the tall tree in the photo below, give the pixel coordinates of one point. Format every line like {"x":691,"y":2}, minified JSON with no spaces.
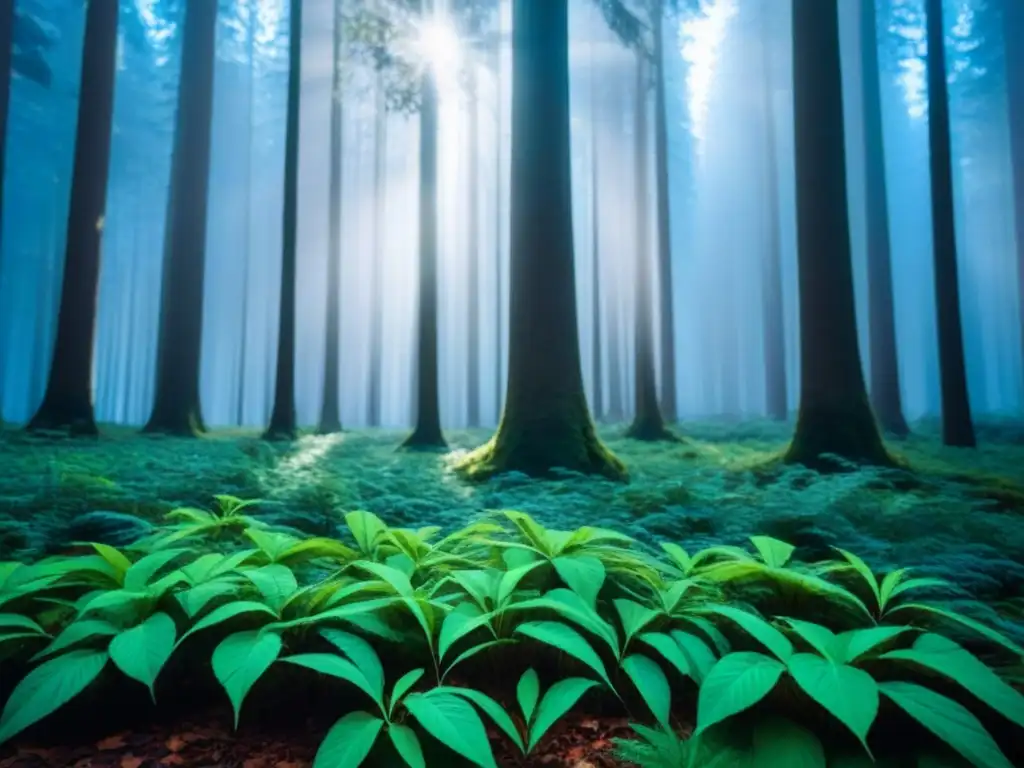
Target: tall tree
{"x":648,"y":423}
{"x":1013,"y":34}
{"x":176,"y":407}
{"x":834,"y":416}
{"x":380,"y":155}
{"x":773,"y":318}
{"x":595,"y":253}
{"x":68,"y":400}
{"x":885,"y":373}
{"x":957,"y":428}
{"x":243,"y":353}
{"x":330,"y":415}
{"x":546,"y":421}
{"x":473,"y":268}
{"x":6,"y":49}
{"x":282,"y":418}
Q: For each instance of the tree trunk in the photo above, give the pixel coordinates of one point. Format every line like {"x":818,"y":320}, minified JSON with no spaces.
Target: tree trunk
{"x":376,"y":266}
{"x":957,"y":429}
{"x":647,"y":421}
{"x":669,"y":404}
{"x":835,"y":416}
{"x":330,"y":415}
{"x":176,"y":407}
{"x":68,"y":400}
{"x":282,"y":418}
{"x":473,"y":270}
{"x":427,"y":432}
{"x":773,"y":318}
{"x":247,"y":218}
{"x":595,"y":255}
{"x":499,"y":299}
{"x":885,"y":372}
{"x":6,"y":48}
{"x":546,"y":422}
{"x":1013,"y":34}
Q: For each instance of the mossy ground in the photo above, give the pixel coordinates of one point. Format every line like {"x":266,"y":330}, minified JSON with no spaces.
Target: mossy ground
{"x":958,"y":514}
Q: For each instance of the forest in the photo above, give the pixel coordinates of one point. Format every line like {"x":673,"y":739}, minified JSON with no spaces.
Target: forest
{"x":512,"y":383}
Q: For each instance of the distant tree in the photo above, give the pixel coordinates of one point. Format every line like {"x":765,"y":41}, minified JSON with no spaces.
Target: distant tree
{"x":595,"y":255}
{"x":282,"y":418}
{"x":380,"y":155}
{"x":176,"y":407}
{"x":834,"y":415}
{"x":68,"y":400}
{"x":885,"y":372}
{"x":6,"y":47}
{"x":247,"y":216}
{"x":957,"y":428}
{"x":330,"y":416}
{"x":1013,"y":35}
{"x":546,"y":422}
{"x":473,"y":267}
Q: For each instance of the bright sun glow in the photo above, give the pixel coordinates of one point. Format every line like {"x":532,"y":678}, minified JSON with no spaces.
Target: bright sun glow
{"x":702,"y":36}
{"x":438,"y":46}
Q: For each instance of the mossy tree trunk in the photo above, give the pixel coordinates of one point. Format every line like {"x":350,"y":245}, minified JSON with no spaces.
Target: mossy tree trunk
{"x":885,"y":372}
{"x":68,"y":401}
{"x":546,"y":422}
{"x":1013,"y":34}
{"x":330,"y":415}
{"x":957,"y":428}
{"x":834,"y":416}
{"x":176,"y":407}
{"x":282,"y":418}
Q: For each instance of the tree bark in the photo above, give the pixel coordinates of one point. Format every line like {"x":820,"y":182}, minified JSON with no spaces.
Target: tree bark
{"x":885,"y":372}
{"x":68,"y":401}
{"x":247,"y":218}
{"x":835,"y":416}
{"x":546,"y":423}
{"x":282,"y":419}
{"x":595,"y":257}
{"x":377,"y":266}
{"x":330,"y":415}
{"x":957,"y":428}
{"x":6,"y":50}
{"x":176,"y":407}
{"x":473,"y":270}
{"x":1013,"y":35}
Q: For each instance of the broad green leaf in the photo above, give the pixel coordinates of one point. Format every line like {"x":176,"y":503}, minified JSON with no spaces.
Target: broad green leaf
{"x":48,"y":687}
{"x":271,"y":543}
{"x":402,"y":687}
{"x":559,"y":699}
{"x":361,"y":654}
{"x":781,"y":743}
{"x":571,"y":606}
{"x":343,"y":613}
{"x":349,"y":741}
{"x":316,"y":548}
{"x":194,"y":600}
{"x":975,"y":626}
{"x":737,"y":682}
{"x":888,"y":586}
{"x":117,"y":560}
{"x":865,"y":572}
{"x":528,"y":693}
{"x":241,"y":659}
{"x":143,"y":570}
{"x":457,"y":625}
{"x":275,"y":582}
{"x":452,"y":720}
{"x":848,"y":693}
{"x":473,"y":651}
{"x":478,"y":584}
{"x":923,"y":583}
{"x":407,"y":745}
{"x":231,"y":562}
{"x":774,"y":552}
{"x":490,"y":707}
{"x":948,"y":720}
{"x":117,"y":602}
{"x":339,"y":667}
{"x":76,"y":632}
{"x":142,"y":651}
{"x":510,"y":579}
{"x":949,"y":659}
{"x":583,"y":574}
{"x":700,"y":657}
{"x":669,"y":650}
{"x":858,"y":642}
{"x":534,"y":533}
{"x":679,"y":556}
{"x":651,"y":684}
{"x":366,"y":527}
{"x":225,"y":612}
{"x":565,"y":638}
{"x":820,"y":638}
{"x":635,"y":617}
{"x":17,"y":621}
{"x":398,"y":580}
{"x":758,"y":628}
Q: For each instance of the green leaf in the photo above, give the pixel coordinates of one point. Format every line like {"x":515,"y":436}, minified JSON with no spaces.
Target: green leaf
{"x":240,"y":660}
{"x":528,"y":693}
{"x":142,"y":651}
{"x":700,"y":657}
{"x":223,"y":613}
{"x":473,"y":651}
{"x":774,"y":552}
{"x":361,"y":654}
{"x":975,"y":626}
{"x":457,"y":625}
{"x":349,"y":741}
{"x":366,"y":527}
{"x":478,"y":584}
{"x":275,"y":582}
{"x":820,"y":638}
{"x":634,"y":617}
{"x":194,"y":600}
{"x":865,"y":572}
{"x":402,"y":687}
{"x":571,"y":606}
{"x":848,"y":693}
{"x":565,"y":638}
{"x":143,"y":570}
{"x":781,"y":743}
{"x":669,"y":650}
{"x":76,"y":632}
{"x":737,"y":682}
{"x":336,"y":666}
{"x":912,"y":584}
{"x":510,"y":579}
{"x":651,"y":684}
{"x":559,"y":699}
{"x":453,"y":721}
{"x":48,"y":687}
{"x":858,"y":642}
{"x":117,"y":560}
{"x":16,"y":620}
{"x":407,"y":744}
{"x":949,"y":659}
{"x":948,"y":720}
{"x":490,"y":707}
{"x":758,"y":628}
{"x":679,"y":556}
{"x":583,"y":574}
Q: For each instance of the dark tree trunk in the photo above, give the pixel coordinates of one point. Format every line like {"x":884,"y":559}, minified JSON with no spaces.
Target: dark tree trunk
{"x":330,"y":415}
{"x":473,"y":270}
{"x":669,"y":404}
{"x":176,"y":408}
{"x":595,"y":255}
{"x":647,"y":421}
{"x":6,"y":47}
{"x":957,"y":429}
{"x":380,"y":156}
{"x":247,"y":218}
{"x":885,"y":373}
{"x":427,"y":432}
{"x":68,"y":400}
{"x":835,"y":416}
{"x":282,"y":418}
{"x":499,"y":298}
{"x":773,"y":319}
{"x":1013,"y":39}
{"x":546,"y":422}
